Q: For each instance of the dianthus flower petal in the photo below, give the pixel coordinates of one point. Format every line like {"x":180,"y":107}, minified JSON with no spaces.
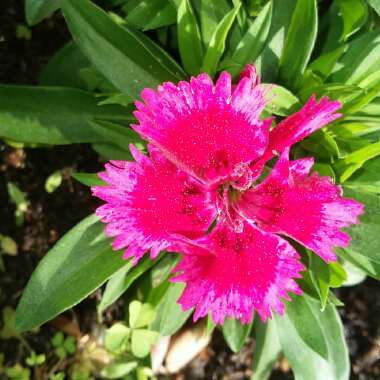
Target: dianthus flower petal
{"x":311,"y":117}
{"x":309,"y":209}
{"x":232,"y":274}
{"x":205,"y":130}
{"x":150,"y":201}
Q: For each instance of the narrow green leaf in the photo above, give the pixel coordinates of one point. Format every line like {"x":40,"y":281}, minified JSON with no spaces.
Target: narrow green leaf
{"x":235,"y":333}
{"x":268,"y":348}
{"x":136,"y":61}
{"x":367,"y":179}
{"x":53,"y":115}
{"x":360,"y":59}
{"x":170,"y":317}
{"x":348,"y":165}
{"x":121,"y":281}
{"x":307,"y":325}
{"x":77,"y":265}
{"x":110,"y":151}
{"x":375,"y":4}
{"x":268,"y":60}
{"x":162,"y":269}
{"x":299,"y":42}
{"x":150,"y":14}
{"x":354,"y":14}
{"x":189,"y":38}
{"x":218,"y":42}
{"x":306,"y":363}
{"x":345,"y":93}
{"x":118,"y":135}
{"x":371,"y":89}
{"x":364,"y":247}
{"x":252,"y":42}
{"x":325,"y":63}
{"x":64,"y":68}
{"x":37,"y":10}
{"x":88,"y":179}
{"x":211,"y":13}
{"x":280,"y":100}
{"x":325,"y":276}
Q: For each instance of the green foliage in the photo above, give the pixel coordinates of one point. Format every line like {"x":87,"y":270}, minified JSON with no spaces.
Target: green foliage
{"x":86,"y":94}
{"x":58,"y":282}
{"x":137,"y":61}
{"x":63,"y":346}
{"x":37,"y":10}
{"x":53,"y":181}
{"x":235,"y":333}
{"x":18,"y":197}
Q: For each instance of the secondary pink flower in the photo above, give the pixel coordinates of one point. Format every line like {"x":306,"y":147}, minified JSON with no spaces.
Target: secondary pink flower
{"x":197,"y":195}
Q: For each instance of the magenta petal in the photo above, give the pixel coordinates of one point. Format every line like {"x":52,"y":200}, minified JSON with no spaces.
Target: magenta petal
{"x":232,"y":274}
{"x":205,"y":130}
{"x":150,"y":201}
{"x":309,"y":209}
{"x":311,"y":117}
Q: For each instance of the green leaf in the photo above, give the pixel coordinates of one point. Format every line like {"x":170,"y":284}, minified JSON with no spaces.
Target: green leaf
{"x":268,"y":60}
{"x":324,"y":64}
{"x":354,"y":14}
{"x":360,"y":59}
{"x":116,"y":337}
{"x":53,"y":181}
{"x":211,"y":13}
{"x":280,"y":100}
{"x":235,"y":333}
{"x":117,"y":370}
{"x":218,"y":42}
{"x":267,"y":349}
{"x":375,"y":4}
{"x":302,"y":316}
{"x":366,"y":179}
{"x":303,"y":360}
{"x":121,"y":281}
{"x":110,"y":151}
{"x":364,"y":248}
{"x":119,"y":135}
{"x":140,"y":314}
{"x":252,"y":42}
{"x":37,"y":10}
{"x":325,"y":276}
{"x":371,"y":89}
{"x":348,"y":165}
{"x":170,"y":317}
{"x":53,"y":115}
{"x":8,"y":329}
{"x":189,"y":38}
{"x":64,"y":68}
{"x":150,"y":14}
{"x":77,"y":265}
{"x":299,"y":42}
{"x":162,"y":269}
{"x":88,"y":179}
{"x":142,"y":342}
{"x":335,"y":91}
{"x":136,"y":61}
{"x":8,"y":245}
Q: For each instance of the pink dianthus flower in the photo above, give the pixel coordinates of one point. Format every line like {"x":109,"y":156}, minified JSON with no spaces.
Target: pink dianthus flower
{"x":197,"y":193}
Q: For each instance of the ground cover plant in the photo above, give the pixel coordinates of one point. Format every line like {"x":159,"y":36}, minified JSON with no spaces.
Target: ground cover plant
{"x":242,"y":141}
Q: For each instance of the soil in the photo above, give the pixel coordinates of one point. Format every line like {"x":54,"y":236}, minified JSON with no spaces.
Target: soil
{"x":49,"y":216}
